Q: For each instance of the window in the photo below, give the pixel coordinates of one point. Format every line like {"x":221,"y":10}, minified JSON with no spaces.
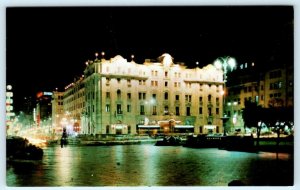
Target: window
{"x":200,"y":111}
{"x":154,"y":96}
{"x":128,"y":96}
{"x":200,"y":99}
{"x":209,"y":112}
{"x":107,"y":108}
{"x":188,"y":111}
{"x":107,"y":95}
{"x":188,"y":98}
{"x":176,"y":97}
{"x":217,"y":111}
{"x":119,"y":80}
{"x":166,"y":95}
{"x":107,"y":129}
{"x":119,"y":109}
{"x":154,"y":110}
{"x":119,"y":93}
{"x":142,"y":110}
{"x":166,"y":84}
{"x":166,"y":110}
{"x":128,"y":108}
{"x":166,"y":74}
{"x":177,"y":111}
{"x":107,"y":81}
{"x":209,"y":98}
{"x":129,"y":129}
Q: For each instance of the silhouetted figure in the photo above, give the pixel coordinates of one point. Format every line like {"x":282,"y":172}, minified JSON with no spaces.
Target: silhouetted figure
{"x":63,"y":140}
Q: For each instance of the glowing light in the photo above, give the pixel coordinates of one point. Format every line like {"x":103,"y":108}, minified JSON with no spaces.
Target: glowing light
{"x":218,"y":64}
{"x":231,"y":62}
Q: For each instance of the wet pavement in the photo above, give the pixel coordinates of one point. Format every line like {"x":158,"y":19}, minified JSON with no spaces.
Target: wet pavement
{"x":149,"y":165}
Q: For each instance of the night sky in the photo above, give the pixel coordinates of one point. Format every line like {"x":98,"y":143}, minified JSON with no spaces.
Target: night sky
{"x":47,"y":47}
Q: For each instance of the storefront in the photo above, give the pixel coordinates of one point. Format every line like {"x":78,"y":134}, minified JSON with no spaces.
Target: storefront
{"x":148,"y":129}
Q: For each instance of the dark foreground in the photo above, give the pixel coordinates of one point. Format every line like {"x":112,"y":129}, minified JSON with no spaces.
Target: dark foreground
{"x":149,"y":165}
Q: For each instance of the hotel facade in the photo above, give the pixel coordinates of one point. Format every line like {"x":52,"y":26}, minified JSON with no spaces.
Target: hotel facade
{"x":123,"y":97}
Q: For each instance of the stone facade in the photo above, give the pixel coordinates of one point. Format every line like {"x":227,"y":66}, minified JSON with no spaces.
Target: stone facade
{"x":124,"y":97}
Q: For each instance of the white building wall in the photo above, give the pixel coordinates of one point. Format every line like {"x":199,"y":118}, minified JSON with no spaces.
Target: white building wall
{"x":150,"y":78}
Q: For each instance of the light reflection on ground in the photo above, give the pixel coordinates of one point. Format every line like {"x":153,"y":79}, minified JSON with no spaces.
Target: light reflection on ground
{"x":149,"y":165}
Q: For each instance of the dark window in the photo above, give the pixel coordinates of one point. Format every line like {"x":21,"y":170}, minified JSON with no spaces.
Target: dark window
{"x":177,"y":110}
{"x":200,"y":110}
{"x":188,"y":111}
{"x":166,"y":95}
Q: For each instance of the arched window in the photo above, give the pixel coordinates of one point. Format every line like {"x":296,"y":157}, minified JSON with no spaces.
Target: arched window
{"x":166,"y":95}
{"x":119,"y":93}
{"x":209,"y":98}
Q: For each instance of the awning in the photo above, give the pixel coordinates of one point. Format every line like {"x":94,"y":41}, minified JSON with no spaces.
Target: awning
{"x":209,"y":126}
{"x":148,"y":126}
{"x":184,"y":126}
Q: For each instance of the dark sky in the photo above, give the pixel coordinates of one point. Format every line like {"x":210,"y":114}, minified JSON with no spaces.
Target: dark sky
{"x":47,"y":47}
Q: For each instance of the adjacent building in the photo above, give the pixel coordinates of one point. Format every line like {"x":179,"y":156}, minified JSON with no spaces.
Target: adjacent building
{"x":57,"y":111}
{"x":269,"y":88}
{"x":43,"y":107}
{"x":73,"y":104}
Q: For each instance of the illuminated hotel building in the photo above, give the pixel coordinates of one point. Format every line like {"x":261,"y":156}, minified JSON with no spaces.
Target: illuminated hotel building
{"x":124,"y":97}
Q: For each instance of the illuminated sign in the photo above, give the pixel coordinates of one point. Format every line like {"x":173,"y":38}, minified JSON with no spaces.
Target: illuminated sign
{"x":40,"y":94}
{"x":48,"y":93}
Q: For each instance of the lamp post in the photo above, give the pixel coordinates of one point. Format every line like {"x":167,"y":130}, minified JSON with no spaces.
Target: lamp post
{"x":225,"y":64}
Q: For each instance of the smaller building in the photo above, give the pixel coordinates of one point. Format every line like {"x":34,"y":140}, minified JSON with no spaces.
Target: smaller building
{"x":43,"y":107}
{"x":73,"y":104}
{"x":57,"y":111}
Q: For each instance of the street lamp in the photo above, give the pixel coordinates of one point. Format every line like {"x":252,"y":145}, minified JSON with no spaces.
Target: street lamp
{"x":225,"y":64}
